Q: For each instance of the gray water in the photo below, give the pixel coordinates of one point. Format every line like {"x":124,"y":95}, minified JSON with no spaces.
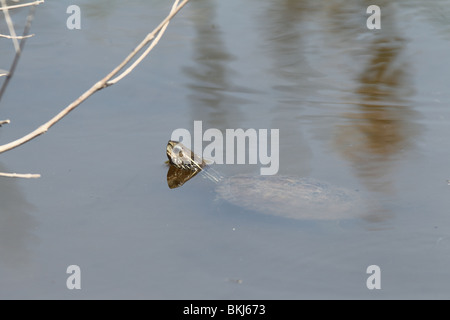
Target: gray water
{"x":364,"y":109}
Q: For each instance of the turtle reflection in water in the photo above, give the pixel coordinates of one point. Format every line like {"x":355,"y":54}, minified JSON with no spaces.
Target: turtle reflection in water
{"x":287,"y":196}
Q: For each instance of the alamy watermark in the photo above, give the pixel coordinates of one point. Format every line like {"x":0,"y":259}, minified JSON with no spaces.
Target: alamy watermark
{"x":374,"y":20}
{"x":235,"y":139}
{"x":74,"y":20}
{"x":74,"y":280}
{"x":374,"y":280}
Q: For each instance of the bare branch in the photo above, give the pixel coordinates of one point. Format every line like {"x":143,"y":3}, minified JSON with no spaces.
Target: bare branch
{"x":16,"y":37}
{"x":34,"y":3}
{"x":18,"y":52}
{"x":98,"y":86}
{"x":9,"y":22}
{"x":20,"y":175}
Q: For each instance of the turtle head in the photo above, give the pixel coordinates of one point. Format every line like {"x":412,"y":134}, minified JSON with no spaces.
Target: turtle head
{"x":183,"y":158}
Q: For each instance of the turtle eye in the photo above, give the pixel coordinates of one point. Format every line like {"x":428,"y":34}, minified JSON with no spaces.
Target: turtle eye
{"x":177,"y":149}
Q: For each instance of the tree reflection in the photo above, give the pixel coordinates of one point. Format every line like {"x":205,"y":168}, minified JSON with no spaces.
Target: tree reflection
{"x":382,"y":124}
{"x":292,"y":81}
{"x":211,"y":90}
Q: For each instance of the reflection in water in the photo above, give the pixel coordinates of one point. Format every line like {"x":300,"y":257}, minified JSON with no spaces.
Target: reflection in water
{"x":382,"y":125}
{"x":319,"y":51}
{"x":176,"y":177}
{"x":371,"y":135}
{"x":384,"y":105}
{"x":16,"y":224}
{"x":282,"y":25}
{"x":212,"y":95}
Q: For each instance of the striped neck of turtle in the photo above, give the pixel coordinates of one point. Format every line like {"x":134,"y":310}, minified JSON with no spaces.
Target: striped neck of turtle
{"x":210,"y":174}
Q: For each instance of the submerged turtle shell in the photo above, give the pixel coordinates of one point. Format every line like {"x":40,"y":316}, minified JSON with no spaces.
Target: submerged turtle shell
{"x":290,"y":197}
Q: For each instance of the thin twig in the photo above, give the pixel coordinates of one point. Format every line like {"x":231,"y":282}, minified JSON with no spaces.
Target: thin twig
{"x":20,"y":175}
{"x":10,"y":24}
{"x":97,"y":86}
{"x":18,"y":52}
{"x":16,"y":37}
{"x":22,"y":5}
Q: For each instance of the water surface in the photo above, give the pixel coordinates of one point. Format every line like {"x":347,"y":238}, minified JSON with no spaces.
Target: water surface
{"x":363,"y":109}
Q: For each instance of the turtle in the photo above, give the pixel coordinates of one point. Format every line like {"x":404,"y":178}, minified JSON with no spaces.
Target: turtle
{"x":281,"y":195}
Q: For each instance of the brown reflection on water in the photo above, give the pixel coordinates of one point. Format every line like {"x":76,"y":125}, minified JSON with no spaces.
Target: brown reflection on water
{"x":100,"y":9}
{"x":383,"y":123}
{"x":176,"y":177}
{"x":211,"y":89}
{"x":369,"y":67}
